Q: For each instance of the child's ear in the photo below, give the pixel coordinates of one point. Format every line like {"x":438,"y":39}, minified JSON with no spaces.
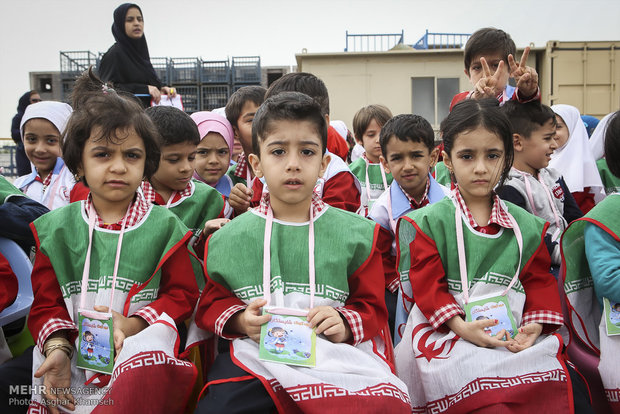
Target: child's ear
{"x":324,"y":163}
{"x":385,"y":164}
{"x":517,"y":140}
{"x":80,"y":171}
{"x":467,"y":74}
{"x":434,"y":156}
{"x":447,"y":161}
{"x":255,"y":163}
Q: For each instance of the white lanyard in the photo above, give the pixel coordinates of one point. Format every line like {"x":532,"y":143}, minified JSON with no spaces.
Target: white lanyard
{"x":385,"y":185}
{"x":267,"y":267}
{"x":85,"y":275}
{"x":53,"y":191}
{"x":528,"y":190}
{"x":461,"y":252}
{"x":390,"y":214}
{"x":170,"y":199}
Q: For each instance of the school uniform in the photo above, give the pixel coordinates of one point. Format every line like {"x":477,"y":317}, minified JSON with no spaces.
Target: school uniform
{"x":155,"y":282}
{"x":373,"y":181}
{"x":349,"y":277}
{"x":611,"y":183}
{"x":54,"y":191}
{"x":224,"y":185}
{"x":509,"y":92}
{"x":401,"y":204}
{"x":591,"y":256}
{"x":446,"y":373}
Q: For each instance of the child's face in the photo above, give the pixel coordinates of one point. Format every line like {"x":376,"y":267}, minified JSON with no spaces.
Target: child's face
{"x":475,"y":72}
{"x":42,"y":144}
{"x":477,"y":159}
{"x":113,"y":171}
{"x":561,"y":131}
{"x":291,"y":161}
{"x":243,"y":130}
{"x":535,"y":152}
{"x":409,"y":162}
{"x":176,"y":167}
{"x":212,"y":158}
{"x":370,"y":141}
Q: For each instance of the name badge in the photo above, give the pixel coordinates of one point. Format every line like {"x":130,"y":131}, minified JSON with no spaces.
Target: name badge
{"x":494,"y":307}
{"x":612,"y":316}
{"x":288,"y":339}
{"x":95,"y":341}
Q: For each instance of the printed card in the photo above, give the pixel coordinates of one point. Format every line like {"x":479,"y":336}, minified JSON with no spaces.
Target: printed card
{"x":612,"y":316}
{"x":288,"y":339}
{"x":96,"y":344}
{"x":495,"y":307}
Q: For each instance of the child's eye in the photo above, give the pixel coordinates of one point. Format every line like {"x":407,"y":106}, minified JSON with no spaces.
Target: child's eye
{"x":475,"y":68}
{"x":133,"y":155}
{"x":466,"y":157}
{"x":30,"y":139}
{"x":101,"y":154}
{"x":307,"y":152}
{"x":223,"y":151}
{"x":191,"y":157}
{"x":201,"y":152}
{"x":277,"y":152}
{"x":493,"y":156}
{"x":52,"y":141}
{"x":172,"y":160}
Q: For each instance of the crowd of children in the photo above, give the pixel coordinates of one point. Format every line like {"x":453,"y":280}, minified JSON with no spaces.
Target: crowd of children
{"x":392,"y":283}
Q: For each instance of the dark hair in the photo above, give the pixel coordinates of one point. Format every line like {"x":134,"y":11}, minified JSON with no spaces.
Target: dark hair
{"x":287,"y":106}
{"x":525,"y":118}
{"x":235,"y":103}
{"x":470,"y":114}
{"x":364,"y":117}
{"x":486,"y":41}
{"x":612,"y":144}
{"x":305,"y":83}
{"x":407,"y":127}
{"x":96,"y":105}
{"x":174,"y":126}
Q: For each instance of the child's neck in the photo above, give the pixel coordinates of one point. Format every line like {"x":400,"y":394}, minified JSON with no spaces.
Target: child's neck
{"x":110,"y":211}
{"x":417,"y":194}
{"x":371,"y":160}
{"x":43,"y":174}
{"x":521,"y":166}
{"x":164,"y":192}
{"x":480,"y":208}
{"x":295,"y":213}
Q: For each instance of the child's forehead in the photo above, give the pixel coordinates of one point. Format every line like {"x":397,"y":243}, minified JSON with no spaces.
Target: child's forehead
{"x":492,"y":57}
{"x":249,"y":108}
{"x":40,"y":125}
{"x":395,"y":144}
{"x":213,"y":139}
{"x":291,"y":131}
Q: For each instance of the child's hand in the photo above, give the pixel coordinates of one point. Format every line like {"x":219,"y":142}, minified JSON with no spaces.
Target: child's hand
{"x":489,"y":85}
{"x":211,"y":226}
{"x":525,"y":76}
{"x":250,"y":320}
{"x":526,"y":337}
{"x":123,"y":327}
{"x":330,"y":323}
{"x":240,"y":197}
{"x":474,"y":332}
{"x":57,"y":371}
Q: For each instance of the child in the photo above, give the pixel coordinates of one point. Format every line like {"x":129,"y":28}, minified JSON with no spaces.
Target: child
{"x":114,"y":253}
{"x":214,"y":151}
{"x":344,"y":305}
{"x":489,"y":63}
{"x":198,"y":205}
{"x":338,"y":187}
{"x":240,"y":111}
{"x":574,"y":160}
{"x":530,"y":184}
{"x":591,"y":254}
{"x":464,"y":250}
{"x":367,"y":124}
{"x":50,"y":182}
{"x":408,"y":153}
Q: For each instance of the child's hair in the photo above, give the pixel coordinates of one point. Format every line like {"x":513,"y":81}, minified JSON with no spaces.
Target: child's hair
{"x":489,"y":40}
{"x":98,"y":105}
{"x":174,"y":126}
{"x":612,"y":144}
{"x":525,"y":118}
{"x":287,"y":106}
{"x":407,"y":127}
{"x":470,"y":114}
{"x":255,"y":94}
{"x":305,"y":83}
{"x":87,"y":333}
{"x":364,"y":117}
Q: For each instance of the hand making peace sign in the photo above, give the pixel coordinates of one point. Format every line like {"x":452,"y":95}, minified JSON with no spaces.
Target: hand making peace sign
{"x":525,"y":76}
{"x":490,"y":85}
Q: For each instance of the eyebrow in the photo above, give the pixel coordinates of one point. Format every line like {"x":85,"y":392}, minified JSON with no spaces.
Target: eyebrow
{"x":303,"y":142}
{"x":248,"y":114}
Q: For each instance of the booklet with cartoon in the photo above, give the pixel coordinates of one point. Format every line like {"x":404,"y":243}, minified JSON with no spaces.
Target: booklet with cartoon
{"x":494,"y":307}
{"x":95,"y":343}
{"x":611,"y":312}
{"x":288,"y":339}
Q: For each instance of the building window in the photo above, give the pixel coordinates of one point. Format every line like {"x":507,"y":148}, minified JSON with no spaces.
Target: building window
{"x":431,"y":97}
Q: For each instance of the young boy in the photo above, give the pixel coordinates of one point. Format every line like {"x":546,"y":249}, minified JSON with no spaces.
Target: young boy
{"x":489,"y":63}
{"x":339,"y":187}
{"x":334,"y":279}
{"x":367,"y":124}
{"x":408,"y":153}
{"x":530,"y":184}
{"x":198,"y":205}
{"x":240,"y":111}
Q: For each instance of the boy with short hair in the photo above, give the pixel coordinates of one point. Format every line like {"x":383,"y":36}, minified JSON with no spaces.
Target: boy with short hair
{"x":333,"y":278}
{"x":367,"y":124}
{"x":531,"y":184}
{"x":408,"y":153}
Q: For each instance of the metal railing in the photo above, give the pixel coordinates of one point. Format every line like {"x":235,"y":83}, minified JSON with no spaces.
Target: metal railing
{"x":441,"y":41}
{"x":367,"y":42}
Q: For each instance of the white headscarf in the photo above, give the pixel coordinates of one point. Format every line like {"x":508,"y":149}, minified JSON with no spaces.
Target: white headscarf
{"x":57,"y":113}
{"x":574,"y":160}
{"x":597,"y":140}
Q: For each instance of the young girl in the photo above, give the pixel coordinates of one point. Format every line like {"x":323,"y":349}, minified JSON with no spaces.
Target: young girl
{"x":473,"y":255}
{"x":112,"y":257}
{"x":574,"y":159}
{"x":50,"y":182}
{"x":214,"y":151}
{"x":367,"y":125}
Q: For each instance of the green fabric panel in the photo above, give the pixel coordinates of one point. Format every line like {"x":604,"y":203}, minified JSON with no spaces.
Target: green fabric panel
{"x":7,"y":189}
{"x":205,"y":204}
{"x":610,"y":181}
{"x":233,"y":177}
{"x":442,"y":174}
{"x":358,"y":168}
